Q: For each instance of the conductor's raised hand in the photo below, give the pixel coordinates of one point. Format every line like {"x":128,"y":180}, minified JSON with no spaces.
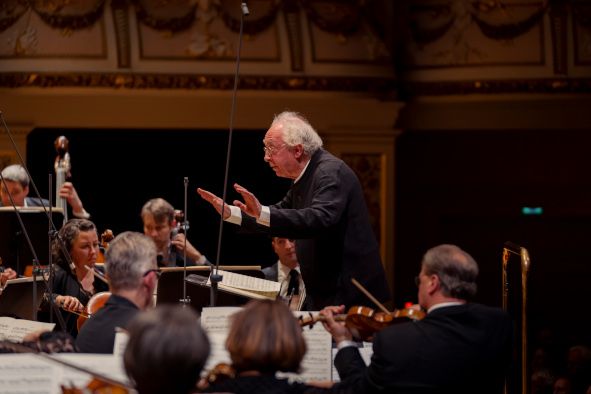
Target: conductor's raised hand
{"x":215,"y":201}
{"x":251,"y":205}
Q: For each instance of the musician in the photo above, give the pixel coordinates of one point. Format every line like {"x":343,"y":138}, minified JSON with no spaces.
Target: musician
{"x":264,"y":338}
{"x":6,"y":274}
{"x":167,"y":350}
{"x":287,"y":272}
{"x":459,"y":347}
{"x":160,"y":225}
{"x":324,"y":210}
{"x":74,"y":282}
{"x":17,"y":183}
{"x":130,"y":264}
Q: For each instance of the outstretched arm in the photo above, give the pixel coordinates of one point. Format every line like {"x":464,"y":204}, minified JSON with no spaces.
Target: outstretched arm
{"x":215,"y":201}
{"x":251,"y":205}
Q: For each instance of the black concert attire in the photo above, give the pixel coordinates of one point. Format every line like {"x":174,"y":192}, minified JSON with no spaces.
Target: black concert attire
{"x":455,"y":349}
{"x":66,"y":284}
{"x":326,"y":212}
{"x":97,"y":335}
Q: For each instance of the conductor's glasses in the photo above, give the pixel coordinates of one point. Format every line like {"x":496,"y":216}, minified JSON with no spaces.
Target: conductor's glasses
{"x":272,"y":150}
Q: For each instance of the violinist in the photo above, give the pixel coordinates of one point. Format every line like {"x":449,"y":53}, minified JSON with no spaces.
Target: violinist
{"x":133,"y":275}
{"x":264,"y":338}
{"x":167,"y":350}
{"x":17,"y":182}
{"x":73,"y":283}
{"x":160,"y":225}
{"x":459,"y":347}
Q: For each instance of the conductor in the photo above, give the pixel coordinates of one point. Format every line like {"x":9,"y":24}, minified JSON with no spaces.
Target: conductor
{"x":324,"y":210}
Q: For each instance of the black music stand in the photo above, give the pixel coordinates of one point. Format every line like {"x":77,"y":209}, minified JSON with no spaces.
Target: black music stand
{"x":170,"y":288}
{"x":14,"y":250}
{"x":15,"y":300}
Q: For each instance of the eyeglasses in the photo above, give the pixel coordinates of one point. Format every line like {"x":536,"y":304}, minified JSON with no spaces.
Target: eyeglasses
{"x":271,"y":150}
{"x":154,"y":270}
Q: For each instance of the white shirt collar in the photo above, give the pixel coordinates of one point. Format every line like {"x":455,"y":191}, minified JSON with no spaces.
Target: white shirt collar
{"x":444,"y":305}
{"x":304,"y":170}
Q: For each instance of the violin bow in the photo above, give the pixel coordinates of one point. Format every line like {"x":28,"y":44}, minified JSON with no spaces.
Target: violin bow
{"x":370,"y":296}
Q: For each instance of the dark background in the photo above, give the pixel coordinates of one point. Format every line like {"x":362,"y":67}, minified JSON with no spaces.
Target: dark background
{"x":116,"y":171}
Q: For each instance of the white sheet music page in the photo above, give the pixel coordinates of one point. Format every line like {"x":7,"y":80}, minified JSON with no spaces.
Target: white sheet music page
{"x":366,"y":351}
{"x":267,"y":288}
{"x":15,"y":329}
{"x":216,"y":322}
{"x":28,"y":374}
{"x":317,"y":363}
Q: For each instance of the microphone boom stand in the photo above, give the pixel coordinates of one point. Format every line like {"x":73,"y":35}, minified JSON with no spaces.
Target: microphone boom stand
{"x":215,"y":278}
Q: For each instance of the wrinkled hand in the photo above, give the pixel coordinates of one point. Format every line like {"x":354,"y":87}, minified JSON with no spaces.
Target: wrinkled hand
{"x":9,"y":273}
{"x":215,"y":201}
{"x":68,"y":191}
{"x":251,"y":205}
{"x":69,"y":303}
{"x":179,"y":242}
{"x":338,"y":330}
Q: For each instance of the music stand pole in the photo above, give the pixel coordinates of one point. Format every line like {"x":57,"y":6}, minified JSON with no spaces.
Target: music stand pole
{"x":185,"y":301}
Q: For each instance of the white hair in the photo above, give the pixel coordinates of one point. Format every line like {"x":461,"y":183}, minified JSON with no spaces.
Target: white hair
{"x":297,"y":130}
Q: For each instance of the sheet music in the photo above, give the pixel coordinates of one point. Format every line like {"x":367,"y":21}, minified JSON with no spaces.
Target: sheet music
{"x":250,"y":283}
{"x":317,"y":363}
{"x":366,"y":351}
{"x":105,"y":364}
{"x":216,"y":322}
{"x":30,"y":374}
{"x":15,"y":329}
{"x":121,"y":339}
{"x":217,"y":319}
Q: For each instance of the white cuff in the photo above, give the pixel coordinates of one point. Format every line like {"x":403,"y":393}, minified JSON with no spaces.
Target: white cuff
{"x":235,"y":215}
{"x":346,"y":343}
{"x":265,"y":218}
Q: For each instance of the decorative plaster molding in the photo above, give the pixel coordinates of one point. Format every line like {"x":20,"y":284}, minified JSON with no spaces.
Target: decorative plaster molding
{"x":195,"y":82}
{"x":558,"y":85}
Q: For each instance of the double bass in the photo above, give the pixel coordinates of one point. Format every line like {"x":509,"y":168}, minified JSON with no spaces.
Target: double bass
{"x":62,"y":168}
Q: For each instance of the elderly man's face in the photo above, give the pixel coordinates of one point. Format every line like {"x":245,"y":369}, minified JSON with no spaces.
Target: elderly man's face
{"x":280,"y":157}
{"x":17,"y":191}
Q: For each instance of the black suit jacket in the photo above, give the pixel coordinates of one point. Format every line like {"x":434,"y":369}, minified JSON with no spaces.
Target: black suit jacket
{"x":97,"y":335}
{"x":456,"y":349}
{"x":326,"y":212}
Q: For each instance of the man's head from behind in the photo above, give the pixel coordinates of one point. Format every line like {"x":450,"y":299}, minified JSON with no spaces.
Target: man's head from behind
{"x":167,"y":350}
{"x":286,"y":251}
{"x":17,"y":183}
{"x":131,"y":267}
{"x":447,"y":274}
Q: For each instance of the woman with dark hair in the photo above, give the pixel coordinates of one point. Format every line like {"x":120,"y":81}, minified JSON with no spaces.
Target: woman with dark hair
{"x":264,"y":338}
{"x":167,"y":350}
{"x":74,"y":282}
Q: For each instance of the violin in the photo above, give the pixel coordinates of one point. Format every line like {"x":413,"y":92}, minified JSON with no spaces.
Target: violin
{"x":220,"y":372}
{"x":97,"y":386}
{"x":95,"y":303}
{"x":364,"y":322}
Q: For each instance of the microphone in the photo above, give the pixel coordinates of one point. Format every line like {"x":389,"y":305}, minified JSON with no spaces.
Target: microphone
{"x":244,"y":7}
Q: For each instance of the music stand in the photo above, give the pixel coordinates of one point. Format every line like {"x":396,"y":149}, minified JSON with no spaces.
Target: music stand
{"x":15,"y":300}
{"x":170,"y":286}
{"x":14,"y":250}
